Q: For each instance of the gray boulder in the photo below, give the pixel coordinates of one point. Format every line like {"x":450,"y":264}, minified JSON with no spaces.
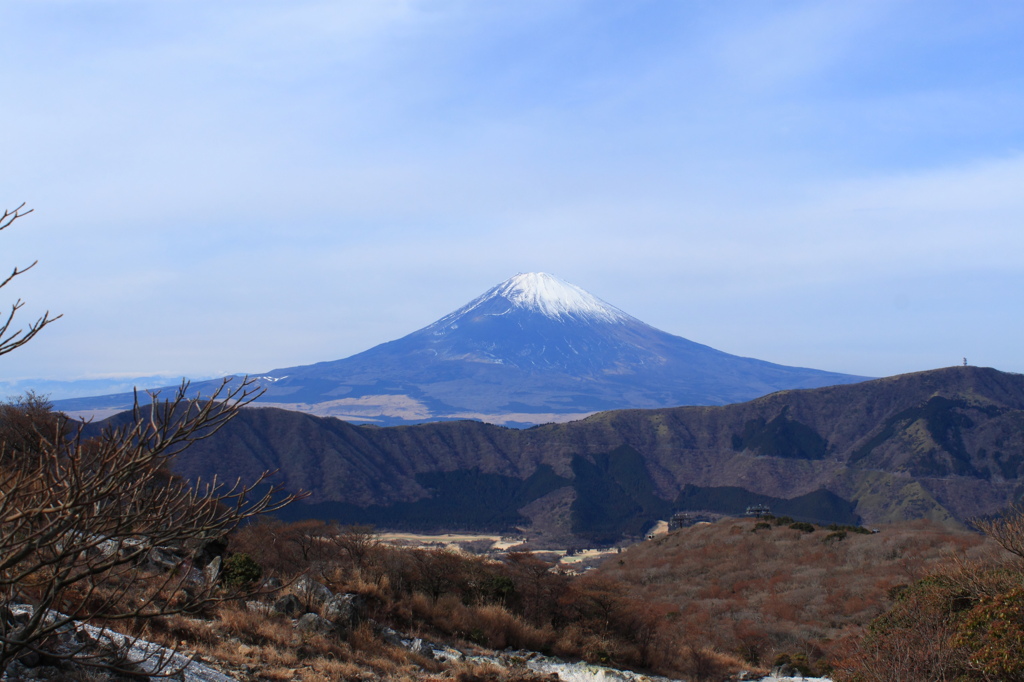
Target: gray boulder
{"x":212,"y":571}
{"x":344,"y":610}
{"x":785,"y":670}
{"x":311,"y":592}
{"x":289,"y":605}
{"x":314,"y":624}
{"x":194,"y":577}
{"x":390,"y":636}
{"x":421,"y":648}
{"x":163,"y":558}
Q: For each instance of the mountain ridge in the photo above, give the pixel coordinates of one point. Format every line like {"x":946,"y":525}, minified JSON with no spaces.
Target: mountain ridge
{"x":942,"y":444}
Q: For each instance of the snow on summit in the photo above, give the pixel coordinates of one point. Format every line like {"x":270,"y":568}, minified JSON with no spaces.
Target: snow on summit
{"x":552,"y":297}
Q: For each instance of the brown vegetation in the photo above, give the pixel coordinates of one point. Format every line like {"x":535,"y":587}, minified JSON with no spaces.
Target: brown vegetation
{"x":771,"y":593}
{"x":258,"y":645}
{"x":520,"y":602}
{"x":701,"y":603}
{"x":964,"y":621}
{"x":97,"y":529}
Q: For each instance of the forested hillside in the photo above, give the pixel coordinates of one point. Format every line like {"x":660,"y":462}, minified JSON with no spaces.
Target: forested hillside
{"x":944,"y":444}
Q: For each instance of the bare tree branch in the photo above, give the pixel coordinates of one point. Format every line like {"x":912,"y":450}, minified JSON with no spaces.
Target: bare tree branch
{"x":10,"y":216}
{"x":81,"y":518}
{"x":12,"y":339}
{"x":98,"y":529}
{"x":1007,"y":529}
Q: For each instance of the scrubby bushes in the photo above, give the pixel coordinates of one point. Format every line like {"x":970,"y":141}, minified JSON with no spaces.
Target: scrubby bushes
{"x":758,"y":596}
{"x":947,"y":626}
{"x":239,"y":570}
{"x":835,"y":527}
{"x":992,"y":634}
{"x":835,"y":536}
{"x":701,"y":603}
{"x":94,"y":527}
{"x":520,"y":602}
{"x":964,"y":621}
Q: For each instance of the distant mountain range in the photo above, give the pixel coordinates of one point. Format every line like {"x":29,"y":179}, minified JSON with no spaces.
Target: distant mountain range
{"x":945,"y":444}
{"x":531,"y":350}
{"x":83,"y":388}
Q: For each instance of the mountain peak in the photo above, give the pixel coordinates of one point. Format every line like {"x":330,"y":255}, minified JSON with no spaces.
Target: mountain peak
{"x":550,"y":296}
{"x":531,"y":349}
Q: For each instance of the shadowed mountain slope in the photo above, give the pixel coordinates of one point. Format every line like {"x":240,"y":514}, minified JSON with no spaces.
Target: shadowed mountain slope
{"x":945,"y":444}
{"x":533,"y":349}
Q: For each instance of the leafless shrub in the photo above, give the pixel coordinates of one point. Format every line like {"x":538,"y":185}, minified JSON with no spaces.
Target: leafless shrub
{"x":11,"y":339}
{"x":1007,"y":529}
{"x":82,"y":518}
{"x":358,"y":542}
{"x":85,"y":523}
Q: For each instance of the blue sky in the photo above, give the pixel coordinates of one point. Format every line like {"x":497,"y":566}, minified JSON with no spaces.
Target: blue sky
{"x":241,"y":186}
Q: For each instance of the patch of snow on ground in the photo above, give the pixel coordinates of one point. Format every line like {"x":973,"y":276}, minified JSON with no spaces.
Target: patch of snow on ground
{"x":150,"y":657}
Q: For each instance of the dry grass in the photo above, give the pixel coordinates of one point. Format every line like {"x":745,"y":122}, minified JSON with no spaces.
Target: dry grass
{"x":265,"y":647}
{"x":521,"y":603}
{"x":477,"y":672}
{"x":491,"y":625}
{"x":701,"y":603}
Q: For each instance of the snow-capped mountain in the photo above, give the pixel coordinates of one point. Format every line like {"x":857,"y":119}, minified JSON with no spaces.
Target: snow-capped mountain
{"x":546,"y":294}
{"x":532,"y":349}
{"x":534,"y":322}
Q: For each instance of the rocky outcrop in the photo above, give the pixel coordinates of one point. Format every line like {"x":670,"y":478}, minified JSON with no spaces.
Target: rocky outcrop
{"x":288,"y":605}
{"x":312,"y":623}
{"x":312,"y":593}
{"x":345,"y":611}
{"x":316,"y":609}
